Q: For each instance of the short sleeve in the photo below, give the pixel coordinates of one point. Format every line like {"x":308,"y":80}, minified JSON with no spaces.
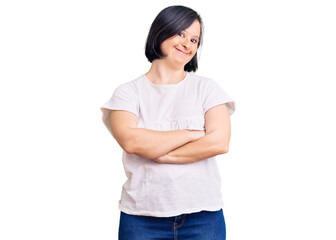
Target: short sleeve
{"x":124,"y":98}
{"x":215,"y":95}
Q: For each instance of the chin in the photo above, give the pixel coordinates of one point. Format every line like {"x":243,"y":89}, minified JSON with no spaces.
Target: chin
{"x":181,"y":64}
{"x":183,"y":61}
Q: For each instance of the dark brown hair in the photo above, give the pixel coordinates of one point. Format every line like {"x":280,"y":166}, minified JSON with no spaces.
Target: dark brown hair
{"x":169,"y":22}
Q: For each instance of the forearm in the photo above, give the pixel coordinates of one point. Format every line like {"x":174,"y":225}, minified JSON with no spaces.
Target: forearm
{"x":208,"y":146}
{"x":153,"y":144}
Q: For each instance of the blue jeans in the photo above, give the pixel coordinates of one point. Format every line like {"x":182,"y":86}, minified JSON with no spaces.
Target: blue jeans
{"x":203,"y":225}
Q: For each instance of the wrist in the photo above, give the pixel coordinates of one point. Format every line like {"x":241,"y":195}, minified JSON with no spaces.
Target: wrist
{"x":168,"y":158}
{"x":195,"y":134}
{"x":190,"y":135}
{"x":162,"y":159}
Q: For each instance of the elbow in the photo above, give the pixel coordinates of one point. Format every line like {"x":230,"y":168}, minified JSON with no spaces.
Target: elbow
{"x":220,"y":143}
{"x":127,"y":141}
{"x":139,"y":150}
{"x":128,"y":147}
{"x":131,"y":147}
{"x":223,"y":149}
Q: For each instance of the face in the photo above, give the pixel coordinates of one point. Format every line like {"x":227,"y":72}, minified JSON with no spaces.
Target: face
{"x":181,"y":48}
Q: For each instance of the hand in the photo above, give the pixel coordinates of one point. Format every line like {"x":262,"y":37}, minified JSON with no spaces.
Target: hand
{"x":196,"y":134}
{"x":162,"y":159}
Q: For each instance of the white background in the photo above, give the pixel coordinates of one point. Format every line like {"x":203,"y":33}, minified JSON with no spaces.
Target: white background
{"x":61,"y":172}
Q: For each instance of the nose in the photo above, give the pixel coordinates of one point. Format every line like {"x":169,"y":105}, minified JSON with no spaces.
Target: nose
{"x":186,"y":43}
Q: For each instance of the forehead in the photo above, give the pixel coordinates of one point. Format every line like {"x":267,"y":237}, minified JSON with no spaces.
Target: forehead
{"x":194,"y":29}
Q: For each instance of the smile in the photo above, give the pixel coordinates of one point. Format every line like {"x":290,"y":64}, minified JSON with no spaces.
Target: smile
{"x":182,"y":51}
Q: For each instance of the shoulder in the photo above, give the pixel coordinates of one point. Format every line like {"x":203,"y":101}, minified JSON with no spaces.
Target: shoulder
{"x":202,"y":81}
{"x":130,"y":87}
{"x":198,"y":78}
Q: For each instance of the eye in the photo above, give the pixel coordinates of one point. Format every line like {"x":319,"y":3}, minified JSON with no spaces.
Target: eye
{"x":194,"y":40}
{"x":181,"y":34}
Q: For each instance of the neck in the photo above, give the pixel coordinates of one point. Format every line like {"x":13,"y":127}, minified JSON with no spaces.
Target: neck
{"x":161,"y":73}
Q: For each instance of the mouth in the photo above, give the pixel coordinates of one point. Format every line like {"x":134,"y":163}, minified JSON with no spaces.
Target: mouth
{"x":184,"y":53}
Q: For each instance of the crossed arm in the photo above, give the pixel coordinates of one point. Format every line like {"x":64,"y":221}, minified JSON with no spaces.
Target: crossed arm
{"x":179,"y":146}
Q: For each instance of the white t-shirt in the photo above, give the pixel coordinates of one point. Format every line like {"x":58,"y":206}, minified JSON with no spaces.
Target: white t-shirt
{"x":164,"y":190}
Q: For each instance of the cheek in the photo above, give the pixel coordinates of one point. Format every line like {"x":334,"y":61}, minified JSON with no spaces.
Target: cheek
{"x":164,"y":48}
{"x":166,"y":45}
{"x":194,"y":50}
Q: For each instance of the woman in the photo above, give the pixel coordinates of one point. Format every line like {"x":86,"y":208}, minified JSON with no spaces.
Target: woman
{"x":171,"y":124}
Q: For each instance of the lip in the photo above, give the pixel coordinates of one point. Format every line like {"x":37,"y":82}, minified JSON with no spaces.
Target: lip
{"x":181,"y":51}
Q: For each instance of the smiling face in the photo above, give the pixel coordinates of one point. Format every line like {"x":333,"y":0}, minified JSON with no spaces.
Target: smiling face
{"x":181,"y":48}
